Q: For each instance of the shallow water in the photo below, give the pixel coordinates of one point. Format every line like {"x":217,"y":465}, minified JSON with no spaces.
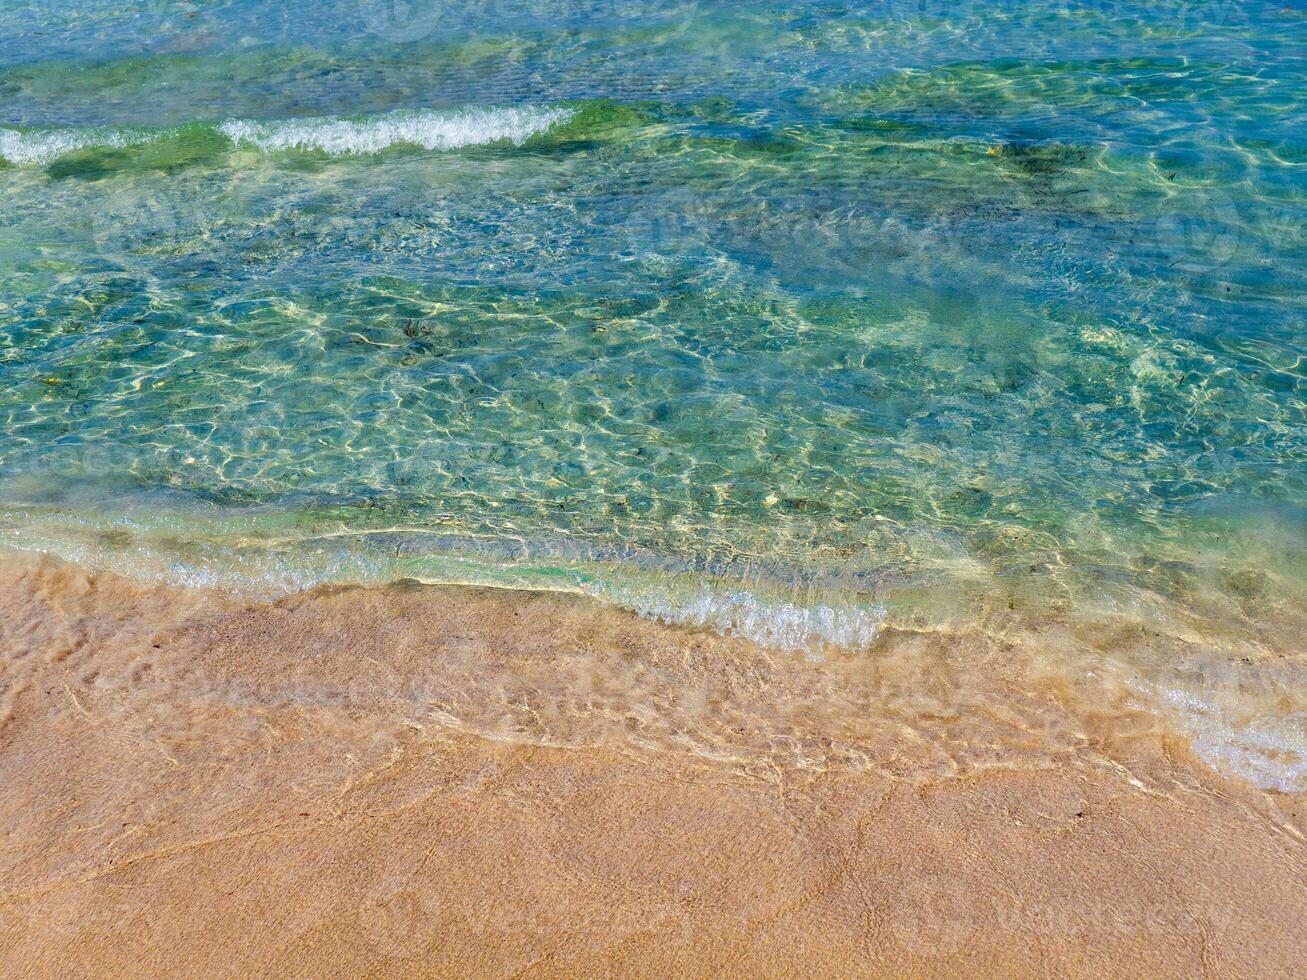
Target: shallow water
{"x":786,"y":320}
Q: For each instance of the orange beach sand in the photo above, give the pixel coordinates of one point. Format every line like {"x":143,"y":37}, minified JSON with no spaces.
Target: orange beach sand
{"x":435,"y":780}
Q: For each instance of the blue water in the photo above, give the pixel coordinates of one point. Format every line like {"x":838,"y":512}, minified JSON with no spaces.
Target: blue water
{"x":789,"y":320}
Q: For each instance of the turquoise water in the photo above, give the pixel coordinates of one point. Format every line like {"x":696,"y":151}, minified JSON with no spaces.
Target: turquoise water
{"x":786,"y":319}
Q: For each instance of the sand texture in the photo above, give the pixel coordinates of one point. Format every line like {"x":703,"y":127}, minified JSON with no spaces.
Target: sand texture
{"x":412,"y":780}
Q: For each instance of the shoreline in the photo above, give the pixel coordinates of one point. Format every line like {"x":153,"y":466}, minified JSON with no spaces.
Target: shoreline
{"x":411,"y":779}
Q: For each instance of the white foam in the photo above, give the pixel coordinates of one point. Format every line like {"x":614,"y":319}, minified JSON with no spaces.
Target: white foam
{"x":1269,"y":752}
{"x":428,"y":129}
{"x":45,"y":146}
{"x":773,"y":623}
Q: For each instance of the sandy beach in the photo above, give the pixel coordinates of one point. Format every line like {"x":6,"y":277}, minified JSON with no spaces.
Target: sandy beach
{"x":418,"y":780}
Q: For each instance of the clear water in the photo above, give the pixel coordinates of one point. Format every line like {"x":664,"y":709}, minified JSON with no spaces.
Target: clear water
{"x":784,"y":319}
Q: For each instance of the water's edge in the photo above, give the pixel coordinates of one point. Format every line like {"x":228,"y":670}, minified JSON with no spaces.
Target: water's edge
{"x":1023,"y":688}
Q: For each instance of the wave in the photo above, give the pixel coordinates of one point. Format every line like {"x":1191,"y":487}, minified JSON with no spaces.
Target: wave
{"x":1260,"y":738}
{"x":40,"y":147}
{"x":185,"y":548}
{"x":769,"y":622}
{"x":427,"y":129}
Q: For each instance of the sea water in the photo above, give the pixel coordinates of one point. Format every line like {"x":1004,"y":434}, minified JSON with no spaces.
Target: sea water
{"x":787,"y":320}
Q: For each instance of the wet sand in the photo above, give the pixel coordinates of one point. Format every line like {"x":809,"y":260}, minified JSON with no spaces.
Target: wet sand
{"x":417,"y":780}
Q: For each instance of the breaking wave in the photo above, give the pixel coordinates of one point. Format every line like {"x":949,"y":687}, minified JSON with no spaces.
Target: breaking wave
{"x":427,"y":129}
{"x":40,"y":147}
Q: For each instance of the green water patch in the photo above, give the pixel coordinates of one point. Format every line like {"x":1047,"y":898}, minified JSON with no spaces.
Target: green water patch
{"x":196,"y":145}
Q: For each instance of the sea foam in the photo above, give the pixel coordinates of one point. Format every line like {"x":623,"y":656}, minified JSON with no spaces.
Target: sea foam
{"x":40,"y":147}
{"x":770,"y":622}
{"x":1268,"y":751}
{"x":428,"y":129}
